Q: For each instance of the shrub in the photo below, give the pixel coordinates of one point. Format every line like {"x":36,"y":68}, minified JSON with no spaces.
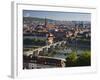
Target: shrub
{"x":83,"y":59}
{"x":71,"y":59}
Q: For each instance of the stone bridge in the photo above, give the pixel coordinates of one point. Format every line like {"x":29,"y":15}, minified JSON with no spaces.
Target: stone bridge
{"x":48,"y":48}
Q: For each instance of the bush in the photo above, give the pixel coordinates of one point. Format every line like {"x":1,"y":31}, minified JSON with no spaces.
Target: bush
{"x":83,"y":59}
{"x":71,"y":59}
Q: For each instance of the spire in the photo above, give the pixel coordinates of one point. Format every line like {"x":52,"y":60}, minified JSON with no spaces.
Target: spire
{"x":45,"y":22}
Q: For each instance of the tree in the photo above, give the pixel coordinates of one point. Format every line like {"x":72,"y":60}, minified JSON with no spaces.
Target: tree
{"x":71,"y":59}
{"x":84,"y":59}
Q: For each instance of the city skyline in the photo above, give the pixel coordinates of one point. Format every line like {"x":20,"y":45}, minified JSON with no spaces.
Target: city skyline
{"x":55,"y":15}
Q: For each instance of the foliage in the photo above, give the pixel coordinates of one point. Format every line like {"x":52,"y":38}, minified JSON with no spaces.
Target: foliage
{"x":72,"y":56}
{"x":71,"y":59}
{"x":83,"y":59}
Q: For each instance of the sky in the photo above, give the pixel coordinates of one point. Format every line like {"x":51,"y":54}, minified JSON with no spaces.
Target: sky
{"x":64,"y":16}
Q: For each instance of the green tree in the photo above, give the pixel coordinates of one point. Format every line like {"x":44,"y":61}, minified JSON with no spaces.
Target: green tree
{"x":71,"y":59}
{"x":84,"y":59}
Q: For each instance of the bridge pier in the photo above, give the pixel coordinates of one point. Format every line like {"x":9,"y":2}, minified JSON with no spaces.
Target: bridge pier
{"x":63,"y":44}
{"x":35,"y":53}
{"x":45,"y":50}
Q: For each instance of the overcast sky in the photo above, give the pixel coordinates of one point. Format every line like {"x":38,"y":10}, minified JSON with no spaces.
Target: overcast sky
{"x":66,"y":16}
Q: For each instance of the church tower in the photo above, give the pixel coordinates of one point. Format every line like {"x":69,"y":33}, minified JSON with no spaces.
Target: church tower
{"x":45,"y":23}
